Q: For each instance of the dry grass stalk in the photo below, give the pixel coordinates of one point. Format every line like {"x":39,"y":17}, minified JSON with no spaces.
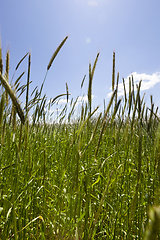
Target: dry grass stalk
{"x":28,"y":77}
{"x":18,"y":65}
{"x":125,"y":97}
{"x":7,"y":64}
{"x":58,"y":96}
{"x":83,"y":81}
{"x":139,"y":106}
{"x":90,"y":88}
{"x":91,"y":74}
{"x":135,"y":105}
{"x":83,"y":124}
{"x":1,"y":61}
{"x":125,"y":94}
{"x":17,"y":83}
{"x":109,"y":105}
{"x":21,"y":61}
{"x":7,"y":74}
{"x":130,"y":96}
{"x":13,"y":117}
{"x":64,"y":110}
{"x":2,"y":103}
{"x":143,"y":108}
{"x":94,"y":66}
{"x":116,"y":109}
{"x":72,"y":110}
{"x":67,"y":92}
{"x":26,"y":133}
{"x":113,"y":72}
{"x":133,"y":89}
{"x":130,"y":103}
{"x":13,"y":97}
{"x":116,"y":96}
{"x":82,"y":112}
{"x":150,"y":117}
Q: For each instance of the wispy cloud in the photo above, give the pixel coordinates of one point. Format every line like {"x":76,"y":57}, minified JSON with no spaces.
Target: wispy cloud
{"x":92,"y":3}
{"x":148,"y":81}
{"x":83,"y":98}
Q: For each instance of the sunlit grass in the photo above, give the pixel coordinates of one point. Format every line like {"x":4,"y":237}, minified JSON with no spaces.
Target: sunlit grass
{"x":89,"y":178}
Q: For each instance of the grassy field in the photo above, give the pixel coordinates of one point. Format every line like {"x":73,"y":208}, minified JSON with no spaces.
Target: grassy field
{"x":89,"y":178}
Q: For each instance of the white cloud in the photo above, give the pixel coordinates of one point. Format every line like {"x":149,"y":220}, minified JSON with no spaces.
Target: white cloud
{"x":59,"y":101}
{"x":51,"y":111}
{"x":92,"y":3}
{"x":63,"y":101}
{"x":83,"y":99}
{"x":79,"y":101}
{"x":148,"y":81}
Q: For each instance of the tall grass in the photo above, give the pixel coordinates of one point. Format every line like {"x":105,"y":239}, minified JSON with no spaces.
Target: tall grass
{"x":92,"y":178}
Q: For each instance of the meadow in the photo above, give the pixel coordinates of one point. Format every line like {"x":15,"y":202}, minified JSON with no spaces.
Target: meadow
{"x":95,"y":175}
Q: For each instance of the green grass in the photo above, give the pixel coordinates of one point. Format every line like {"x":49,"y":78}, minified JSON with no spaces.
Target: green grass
{"x":92,"y":178}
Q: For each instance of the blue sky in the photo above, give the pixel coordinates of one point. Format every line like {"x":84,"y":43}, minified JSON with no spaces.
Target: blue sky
{"x":128,"y":27}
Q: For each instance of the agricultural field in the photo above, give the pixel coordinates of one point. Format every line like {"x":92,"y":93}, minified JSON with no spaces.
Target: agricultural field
{"x":96,"y":177}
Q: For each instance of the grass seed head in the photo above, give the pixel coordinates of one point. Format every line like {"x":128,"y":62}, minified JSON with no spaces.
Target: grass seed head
{"x":13,"y":97}
{"x":56,"y":52}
